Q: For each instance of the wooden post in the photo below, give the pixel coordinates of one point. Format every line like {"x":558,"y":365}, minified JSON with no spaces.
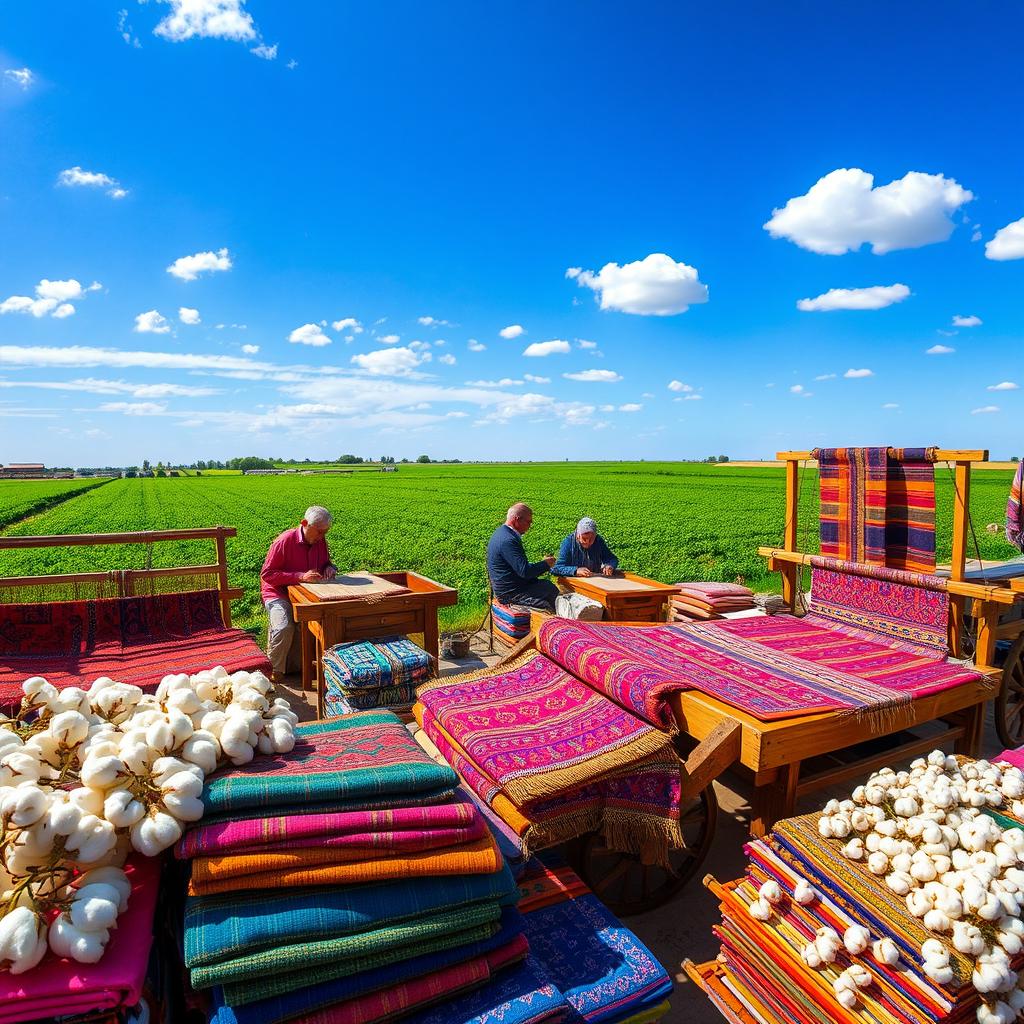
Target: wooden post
{"x":986,"y":617}
{"x":958,"y":564}
{"x":222,"y":575}
{"x":789,"y":571}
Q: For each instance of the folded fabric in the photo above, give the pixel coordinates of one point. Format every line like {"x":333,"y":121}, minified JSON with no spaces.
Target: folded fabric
{"x":711,"y":590}
{"x":369,"y":755}
{"x":524,"y":995}
{"x":398,"y":828}
{"x":323,"y":867}
{"x":278,"y":972}
{"x":376,"y":663}
{"x":509,"y":843}
{"x":286,"y":1007}
{"x":65,"y":987}
{"x":223,"y":927}
{"x":369,"y":699}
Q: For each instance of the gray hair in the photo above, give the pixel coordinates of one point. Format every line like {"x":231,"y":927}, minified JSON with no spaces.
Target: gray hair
{"x":520,"y":508}
{"x":317,"y":515}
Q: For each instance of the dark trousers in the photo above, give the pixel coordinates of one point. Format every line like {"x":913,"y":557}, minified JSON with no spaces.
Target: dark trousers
{"x":534,"y":594}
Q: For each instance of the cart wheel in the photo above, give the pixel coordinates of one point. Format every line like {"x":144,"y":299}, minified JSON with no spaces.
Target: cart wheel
{"x":625,"y":885}
{"x":1009,"y":712}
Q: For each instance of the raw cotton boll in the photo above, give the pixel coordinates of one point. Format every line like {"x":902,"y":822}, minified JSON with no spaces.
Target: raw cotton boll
{"x":899,"y":882}
{"x":961,"y":859}
{"x":932,"y":834}
{"x":854,"y":850}
{"x":264,"y":744}
{"x":69,"y":728}
{"x":160,"y":737}
{"x":771,"y":891}
{"x":112,"y":878}
{"x":137,"y":758}
{"x":1009,"y":902}
{"x":874,"y":795}
{"x":282,"y":736}
{"x":859,"y":975}
{"x":998,"y":1013}
{"x":1016,"y":1000}
{"x":918,"y":903}
{"x":856,"y":939}
{"x":101,"y":772}
{"x":987,"y":977}
{"x":857,"y":796}
{"x":888,"y":827}
{"x":941,"y":974}
{"x":1012,"y":787}
{"x":937,"y":921}
{"x":64,"y":816}
{"x":92,"y":840}
{"x":872,"y":842}
{"x":919,"y":764}
{"x":967,"y":939}
{"x":950,"y":903}
{"x":878,"y":863}
{"x":935,"y":850}
{"x":811,"y":956}
{"x":23,"y":766}
{"x":890,"y":847}
{"x":1012,"y":924}
{"x":831,"y":807}
{"x":181,"y":726}
{"x":937,"y":758}
{"x":68,"y":941}
{"x":846,"y":997}
{"x":203,"y":750}
{"x":803,"y":892}
{"x":122,"y":810}
{"x":72,"y":698}
{"x":760,"y":910}
{"x":914,"y":827}
{"x":22,"y":940}
{"x":157,"y":832}
{"x":170,"y":683}
{"x":166,"y":767}
{"x":991,"y":909}
{"x":93,"y":912}
{"x":933,"y":949}
{"x":860,"y":822}
{"x":885,"y":951}
{"x":923,"y":870}
{"x":1010,"y":942}
{"x":1014,"y":838}
{"x":942,"y":863}
{"x":906,"y":807}
{"x":1006,"y":856}
{"x":25,"y":804}
{"x":828,"y":948}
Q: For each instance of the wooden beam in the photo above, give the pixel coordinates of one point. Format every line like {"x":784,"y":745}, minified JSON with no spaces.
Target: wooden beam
{"x":716,"y":752}
{"x":140,"y":537}
{"x":941,"y":455}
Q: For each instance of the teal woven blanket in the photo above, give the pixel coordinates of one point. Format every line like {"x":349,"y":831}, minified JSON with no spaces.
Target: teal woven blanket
{"x":360,"y":757}
{"x":225,"y":927}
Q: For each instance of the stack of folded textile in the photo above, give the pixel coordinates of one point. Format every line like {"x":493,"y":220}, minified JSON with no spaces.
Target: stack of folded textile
{"x":370,"y":674}
{"x":709,"y":600}
{"x":511,"y":622}
{"x":582,"y":966}
{"x":554,"y":759}
{"x":345,"y":880}
{"x":831,"y":925}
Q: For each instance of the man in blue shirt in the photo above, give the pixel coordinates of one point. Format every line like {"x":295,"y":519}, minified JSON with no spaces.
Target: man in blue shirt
{"x":514,"y":579}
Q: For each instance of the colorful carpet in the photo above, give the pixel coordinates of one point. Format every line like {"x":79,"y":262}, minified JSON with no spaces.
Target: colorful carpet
{"x":512,"y":620}
{"x":768,"y":666}
{"x":220,"y":928}
{"x":910,"y":509}
{"x":401,"y":828}
{"x":365,"y":756}
{"x":373,"y":664}
{"x":1015,"y":509}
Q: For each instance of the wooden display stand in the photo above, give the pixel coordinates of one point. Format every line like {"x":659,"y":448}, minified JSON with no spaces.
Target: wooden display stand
{"x":324,"y":623}
{"x":625,"y":596}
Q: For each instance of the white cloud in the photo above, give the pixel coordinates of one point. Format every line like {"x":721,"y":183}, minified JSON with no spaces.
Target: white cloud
{"x":843,"y":211}
{"x":349,"y":323}
{"x":292,"y":64}
{"x":188,"y":268}
{"x":655,"y":286}
{"x":891,"y":405}
{"x":81,"y":355}
{"x":309,"y":334}
{"x":876,"y":297}
{"x":264,"y":51}
{"x":475,"y":346}
{"x":151,"y":323}
{"x":512,"y":331}
{"x":939,"y":350}
{"x":595,"y":376}
{"x":75,"y":177}
{"x":689,"y":398}
{"x":250,"y":350}
{"x":826,"y":376}
{"x":547,"y":348}
{"x":391,"y":362}
{"x":1004,"y":385}
{"x":797,"y":389}
{"x":134,"y":408}
{"x":389,"y":339}
{"x":678,"y":385}
{"x":630,"y":407}
{"x":505,"y":382}
{"x":429,"y":321}
{"x":535,"y":379}
{"x":207,"y":19}
{"x":967,"y":321}
{"x":984,"y":410}
{"x":21,"y":77}
{"x":583,"y":343}
{"x":126,"y":31}
{"x":977,"y":236}
{"x":855,"y":374}
{"x":448,"y":359}
{"x":538,"y":408}
{"x":188,"y":316}
{"x":52,"y":297}
{"x":946,"y":334}
{"x":1007,"y":243}
{"x":95,"y":386}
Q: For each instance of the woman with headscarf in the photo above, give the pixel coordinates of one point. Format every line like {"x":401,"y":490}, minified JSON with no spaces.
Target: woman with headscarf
{"x":584,"y":553}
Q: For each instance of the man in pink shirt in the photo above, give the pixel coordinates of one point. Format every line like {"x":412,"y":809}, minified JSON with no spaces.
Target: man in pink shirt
{"x":298,"y":556}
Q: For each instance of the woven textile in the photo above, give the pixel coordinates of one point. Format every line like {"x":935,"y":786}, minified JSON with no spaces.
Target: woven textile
{"x":369,"y":755}
{"x":392,"y":829}
{"x":59,"y":987}
{"x":340,"y":702}
{"x":219,"y":928}
{"x":373,"y":664}
{"x":1015,"y":510}
{"x":512,"y":620}
{"x":284,"y":1007}
{"x":910,"y":509}
{"x":909,"y":608}
{"x":326,"y":867}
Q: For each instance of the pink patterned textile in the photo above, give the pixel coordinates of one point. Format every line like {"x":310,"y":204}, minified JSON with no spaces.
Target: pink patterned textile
{"x":63,"y":987}
{"x":398,"y":829}
{"x":1014,"y":757}
{"x":770,"y":667}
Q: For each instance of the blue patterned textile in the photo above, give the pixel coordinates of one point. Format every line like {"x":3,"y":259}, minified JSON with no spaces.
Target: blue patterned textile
{"x":373,"y":664}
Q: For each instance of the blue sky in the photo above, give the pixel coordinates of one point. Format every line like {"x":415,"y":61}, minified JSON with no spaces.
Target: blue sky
{"x":597,"y":175}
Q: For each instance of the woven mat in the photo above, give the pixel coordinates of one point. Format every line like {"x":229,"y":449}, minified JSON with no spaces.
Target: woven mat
{"x":355,"y":585}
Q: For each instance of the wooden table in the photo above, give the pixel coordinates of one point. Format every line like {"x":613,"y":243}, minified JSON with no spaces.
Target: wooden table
{"x":625,"y":596}
{"x":323,"y":623}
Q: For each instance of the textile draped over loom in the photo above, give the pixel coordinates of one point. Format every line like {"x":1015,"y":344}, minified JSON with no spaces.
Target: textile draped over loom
{"x":1015,"y":510}
{"x":878,"y":506}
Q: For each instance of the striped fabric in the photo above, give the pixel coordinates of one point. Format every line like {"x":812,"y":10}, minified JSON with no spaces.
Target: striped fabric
{"x":1015,"y":510}
{"x":511,"y":621}
{"x":910,"y":509}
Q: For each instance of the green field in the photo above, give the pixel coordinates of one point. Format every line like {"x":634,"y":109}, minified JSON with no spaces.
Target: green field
{"x":670,"y":521}
{"x":22,"y":498}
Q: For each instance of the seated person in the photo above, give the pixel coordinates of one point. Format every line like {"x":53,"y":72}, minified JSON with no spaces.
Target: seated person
{"x":584,"y":553}
{"x":514,"y":579}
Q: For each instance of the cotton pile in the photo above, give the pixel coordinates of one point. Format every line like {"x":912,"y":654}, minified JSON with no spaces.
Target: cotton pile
{"x":370,"y":674}
{"x":511,"y":622}
{"x":901,"y":904}
{"x":346,"y":880}
{"x":709,"y":600}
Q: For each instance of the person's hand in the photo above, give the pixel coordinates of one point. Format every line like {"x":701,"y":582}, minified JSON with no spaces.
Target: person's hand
{"x":550,"y":559}
{"x":583,"y":571}
{"x":311,"y":577}
{"x":607,"y":570}
{"x":330,"y":572}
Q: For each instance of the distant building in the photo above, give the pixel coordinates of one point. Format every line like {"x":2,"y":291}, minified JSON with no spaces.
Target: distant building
{"x":23,"y":471}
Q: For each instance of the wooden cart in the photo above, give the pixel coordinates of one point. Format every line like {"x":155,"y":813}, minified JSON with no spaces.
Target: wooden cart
{"x":625,"y":597}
